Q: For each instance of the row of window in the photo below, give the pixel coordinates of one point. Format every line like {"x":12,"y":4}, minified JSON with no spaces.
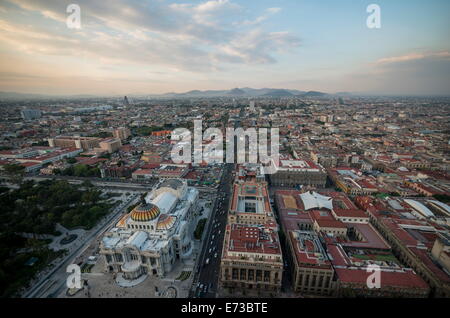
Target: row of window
{"x":244,"y":274}
{"x":140,"y":227}
{"x":311,"y":281}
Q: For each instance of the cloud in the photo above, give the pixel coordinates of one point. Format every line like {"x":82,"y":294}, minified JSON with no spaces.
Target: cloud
{"x":255,"y":47}
{"x":413,"y":57}
{"x":267,"y":14}
{"x":195,"y":38}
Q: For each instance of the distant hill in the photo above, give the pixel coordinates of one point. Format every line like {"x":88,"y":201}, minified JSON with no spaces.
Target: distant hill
{"x":314,"y":94}
{"x":278,"y":93}
{"x":236,"y":92}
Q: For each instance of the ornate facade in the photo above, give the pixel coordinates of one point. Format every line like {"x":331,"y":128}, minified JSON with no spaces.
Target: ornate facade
{"x":155,"y":234}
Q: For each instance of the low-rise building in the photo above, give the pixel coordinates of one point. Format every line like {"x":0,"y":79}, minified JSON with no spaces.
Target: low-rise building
{"x":251,"y":258}
{"x":294,"y":173}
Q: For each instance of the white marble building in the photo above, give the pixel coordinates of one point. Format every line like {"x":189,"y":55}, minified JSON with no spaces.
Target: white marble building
{"x":154,"y":235}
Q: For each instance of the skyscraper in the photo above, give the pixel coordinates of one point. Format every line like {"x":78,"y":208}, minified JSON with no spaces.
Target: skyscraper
{"x":28,"y":114}
{"x":125,"y":101}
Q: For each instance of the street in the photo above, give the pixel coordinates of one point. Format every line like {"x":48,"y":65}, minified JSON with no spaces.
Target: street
{"x":206,"y":278}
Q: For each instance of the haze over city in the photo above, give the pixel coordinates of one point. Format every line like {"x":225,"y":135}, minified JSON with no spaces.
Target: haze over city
{"x":154,"y":47}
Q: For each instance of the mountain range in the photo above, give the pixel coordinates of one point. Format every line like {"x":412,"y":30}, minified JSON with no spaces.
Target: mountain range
{"x":235,"y":92}
{"x":246,"y":92}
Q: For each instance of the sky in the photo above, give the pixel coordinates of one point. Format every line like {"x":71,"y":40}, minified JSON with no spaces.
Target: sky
{"x":158,"y":46}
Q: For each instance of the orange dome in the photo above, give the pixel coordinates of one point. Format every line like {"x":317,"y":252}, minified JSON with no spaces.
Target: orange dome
{"x":145,"y":212}
{"x":165,"y":222}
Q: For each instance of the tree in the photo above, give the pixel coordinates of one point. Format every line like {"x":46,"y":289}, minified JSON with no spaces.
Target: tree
{"x":87,"y":184}
{"x":71,"y":160}
{"x":442,"y":197}
{"x":15,"y":171}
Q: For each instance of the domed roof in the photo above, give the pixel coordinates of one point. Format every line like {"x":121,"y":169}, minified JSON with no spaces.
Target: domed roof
{"x":145,"y":212}
{"x":165,"y":222}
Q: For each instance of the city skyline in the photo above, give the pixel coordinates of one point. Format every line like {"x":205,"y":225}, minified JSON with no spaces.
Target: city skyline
{"x":156,"y":47}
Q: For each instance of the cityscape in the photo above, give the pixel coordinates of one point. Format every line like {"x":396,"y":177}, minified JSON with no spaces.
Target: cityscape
{"x":351,"y":201}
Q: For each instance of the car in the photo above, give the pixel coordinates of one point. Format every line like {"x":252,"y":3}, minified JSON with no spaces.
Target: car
{"x":198,"y":284}
{"x":215,"y":255}
{"x":207,"y":261}
{"x":201,"y":286}
{"x":210,"y":250}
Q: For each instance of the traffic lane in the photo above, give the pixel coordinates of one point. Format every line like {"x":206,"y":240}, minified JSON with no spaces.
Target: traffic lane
{"x":207,"y":272}
{"x":212,"y":273}
{"x":205,"y":246}
{"x":210,"y":270}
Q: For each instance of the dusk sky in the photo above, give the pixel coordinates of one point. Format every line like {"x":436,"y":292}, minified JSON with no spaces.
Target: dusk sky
{"x":159,"y":46}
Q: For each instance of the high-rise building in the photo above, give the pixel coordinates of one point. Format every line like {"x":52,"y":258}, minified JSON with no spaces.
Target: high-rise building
{"x":252,"y":106}
{"x":125,"y":101}
{"x":122,"y":133}
{"x":29,"y":114}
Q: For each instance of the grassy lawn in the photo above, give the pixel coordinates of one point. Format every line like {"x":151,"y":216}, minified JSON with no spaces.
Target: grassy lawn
{"x":183,"y":276}
{"x":86,"y":268}
{"x":380,"y":257}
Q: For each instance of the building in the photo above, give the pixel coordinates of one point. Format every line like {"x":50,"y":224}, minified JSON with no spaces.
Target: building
{"x":251,"y":256}
{"x":161,"y":133}
{"x":151,"y":157}
{"x":163,"y":171}
{"x":118,"y":169}
{"x":441,"y":251}
{"x":29,"y":114}
{"x":110,"y":145}
{"x":49,"y":157}
{"x":85,"y":143}
{"x":294,"y":173}
{"x":412,"y":238}
{"x":19,"y":153}
{"x":155,"y":235}
{"x":331,"y":244}
{"x":250,"y":204}
{"x":121,"y":133}
{"x":311,"y":268}
{"x":352,"y":181}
